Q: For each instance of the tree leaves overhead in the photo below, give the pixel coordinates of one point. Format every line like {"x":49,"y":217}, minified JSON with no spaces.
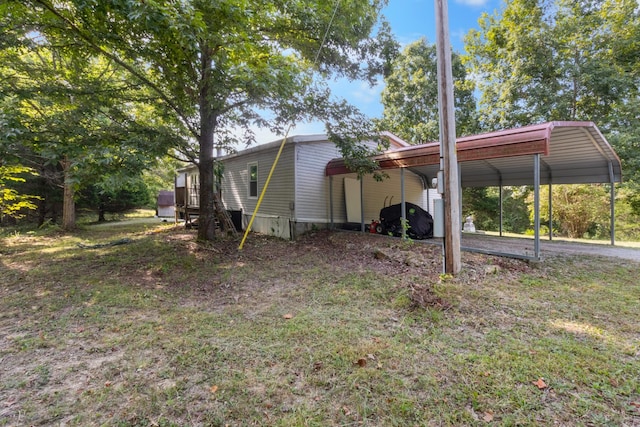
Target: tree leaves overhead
{"x":66,"y":106}
{"x":81,"y":109}
{"x":221,"y":68}
{"x":410,"y":97}
{"x":579,"y":211}
{"x":510,"y":56}
{"x":256,"y":53}
{"x":545,"y":60}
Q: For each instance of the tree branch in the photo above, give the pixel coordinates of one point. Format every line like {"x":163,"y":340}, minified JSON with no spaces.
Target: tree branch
{"x":124,"y":65}
{"x":233,"y":106}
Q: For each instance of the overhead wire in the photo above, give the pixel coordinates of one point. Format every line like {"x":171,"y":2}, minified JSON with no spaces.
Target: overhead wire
{"x":286,"y":136}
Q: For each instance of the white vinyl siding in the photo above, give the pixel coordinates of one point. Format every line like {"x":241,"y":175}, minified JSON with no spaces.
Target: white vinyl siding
{"x":278,"y":197}
{"x":339,"y":206}
{"x":312,"y":186}
{"x":298,"y":194}
{"x":429,"y":198}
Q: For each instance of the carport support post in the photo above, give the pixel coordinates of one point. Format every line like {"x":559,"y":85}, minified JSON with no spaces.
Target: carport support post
{"x":536,"y":205}
{"x":550,"y":211}
{"x":403,"y":207}
{"x":362,"y":204}
{"x":612,"y":202}
{"x":460,"y":196}
{"x":501,"y":207}
{"x":331,"y":201}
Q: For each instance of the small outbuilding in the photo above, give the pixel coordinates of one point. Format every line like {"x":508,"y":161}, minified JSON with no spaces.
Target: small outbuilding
{"x":165,"y":204}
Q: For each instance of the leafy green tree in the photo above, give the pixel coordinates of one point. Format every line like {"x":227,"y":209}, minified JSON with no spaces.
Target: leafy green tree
{"x":115,"y":195}
{"x":579,"y":211}
{"x":225,"y":65}
{"x":410,"y":96}
{"x":483,"y":206}
{"x":627,"y":216}
{"x":75,"y":115}
{"x":545,"y":60}
{"x":511,"y":58}
{"x":13,"y":204}
{"x":483,"y":203}
{"x":515,"y":214}
{"x":161,"y":175}
{"x":625,"y":138}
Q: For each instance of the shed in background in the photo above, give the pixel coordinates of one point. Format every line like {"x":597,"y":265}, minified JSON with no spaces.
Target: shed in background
{"x":166,"y":203}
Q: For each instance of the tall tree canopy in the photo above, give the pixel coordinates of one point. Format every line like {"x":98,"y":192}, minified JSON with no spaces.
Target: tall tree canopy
{"x":410,"y":96}
{"x":541,"y":60}
{"x":217,"y":66}
{"x":545,"y":60}
{"x":75,"y":117}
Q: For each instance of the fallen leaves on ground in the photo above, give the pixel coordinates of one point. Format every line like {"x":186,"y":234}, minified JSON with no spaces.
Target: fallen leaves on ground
{"x":540,"y":384}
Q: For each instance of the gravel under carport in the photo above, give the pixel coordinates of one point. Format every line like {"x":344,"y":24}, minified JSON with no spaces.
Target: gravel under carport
{"x":525,"y":247}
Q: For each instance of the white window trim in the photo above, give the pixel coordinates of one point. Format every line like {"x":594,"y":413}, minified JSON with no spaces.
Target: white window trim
{"x":249,"y":166}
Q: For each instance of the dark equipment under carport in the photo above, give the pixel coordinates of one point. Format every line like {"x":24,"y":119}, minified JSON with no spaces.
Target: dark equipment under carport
{"x":420,"y":222}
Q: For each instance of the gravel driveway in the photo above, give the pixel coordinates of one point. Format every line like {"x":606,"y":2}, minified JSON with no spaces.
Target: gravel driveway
{"x":525,"y":247}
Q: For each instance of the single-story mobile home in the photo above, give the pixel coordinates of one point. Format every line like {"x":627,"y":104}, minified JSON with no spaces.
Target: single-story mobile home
{"x":300,"y":196}
{"x":312,"y":186}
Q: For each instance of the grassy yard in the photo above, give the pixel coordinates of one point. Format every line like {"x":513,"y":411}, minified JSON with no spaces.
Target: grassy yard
{"x":341,"y":329}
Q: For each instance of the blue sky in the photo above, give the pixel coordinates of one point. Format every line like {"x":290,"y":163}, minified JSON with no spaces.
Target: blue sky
{"x":409,"y":20}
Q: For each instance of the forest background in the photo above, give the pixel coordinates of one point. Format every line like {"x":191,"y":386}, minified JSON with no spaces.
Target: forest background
{"x":103,"y":101}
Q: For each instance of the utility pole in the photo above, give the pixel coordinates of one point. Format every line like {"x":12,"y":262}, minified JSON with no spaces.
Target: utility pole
{"x":448,"y":155}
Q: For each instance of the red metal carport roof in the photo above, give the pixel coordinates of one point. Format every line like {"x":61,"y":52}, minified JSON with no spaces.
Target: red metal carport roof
{"x":571,"y":153}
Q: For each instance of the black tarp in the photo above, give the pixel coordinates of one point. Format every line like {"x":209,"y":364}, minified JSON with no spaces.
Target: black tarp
{"x":420,"y":222}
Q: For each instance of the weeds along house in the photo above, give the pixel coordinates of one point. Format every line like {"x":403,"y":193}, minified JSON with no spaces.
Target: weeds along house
{"x":300,"y":196}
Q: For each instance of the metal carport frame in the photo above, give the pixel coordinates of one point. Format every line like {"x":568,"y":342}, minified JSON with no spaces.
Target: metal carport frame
{"x":569,"y":152}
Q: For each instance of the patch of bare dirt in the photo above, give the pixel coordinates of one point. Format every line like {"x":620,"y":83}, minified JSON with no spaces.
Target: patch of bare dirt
{"x":341,"y":251}
{"x":417,"y":266}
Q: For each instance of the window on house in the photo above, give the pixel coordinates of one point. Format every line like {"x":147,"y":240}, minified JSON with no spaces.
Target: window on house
{"x":194,"y":190}
{"x":253,"y":180}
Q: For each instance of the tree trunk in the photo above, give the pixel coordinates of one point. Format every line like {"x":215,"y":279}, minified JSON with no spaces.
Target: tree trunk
{"x":42,"y":211}
{"x":42,"y":202}
{"x":206,"y":214}
{"x":68,"y":204}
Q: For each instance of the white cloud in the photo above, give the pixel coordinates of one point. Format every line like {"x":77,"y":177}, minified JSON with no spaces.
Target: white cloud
{"x":476,"y":3}
{"x":365,"y":94}
{"x":264,"y":136}
{"x":459,"y":35}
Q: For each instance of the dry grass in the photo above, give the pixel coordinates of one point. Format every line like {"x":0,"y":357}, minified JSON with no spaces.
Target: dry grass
{"x":335,"y":329}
